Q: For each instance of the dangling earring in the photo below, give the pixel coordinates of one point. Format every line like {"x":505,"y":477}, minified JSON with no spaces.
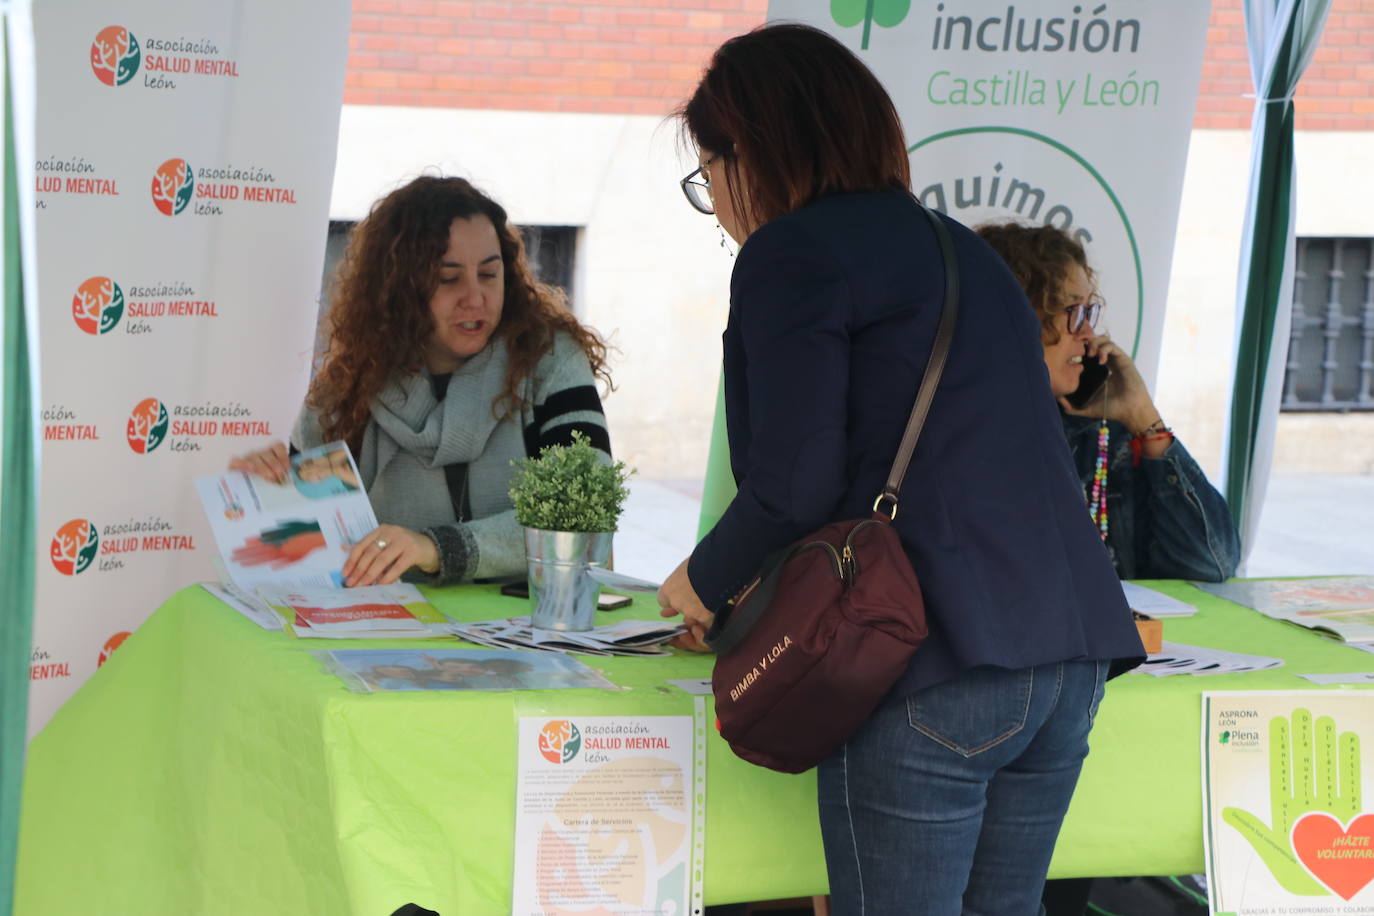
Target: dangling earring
{"x":724,"y":241}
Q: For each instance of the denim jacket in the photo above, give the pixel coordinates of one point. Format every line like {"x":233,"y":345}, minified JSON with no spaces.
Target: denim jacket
{"x":1164,"y":520}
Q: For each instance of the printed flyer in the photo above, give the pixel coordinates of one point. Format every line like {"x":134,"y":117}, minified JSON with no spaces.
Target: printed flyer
{"x":295,"y":534}
{"x":1289,"y":828}
{"x":604,"y":816}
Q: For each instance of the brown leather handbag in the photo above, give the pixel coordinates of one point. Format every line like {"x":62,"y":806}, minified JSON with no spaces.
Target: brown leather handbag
{"x":814,"y":643}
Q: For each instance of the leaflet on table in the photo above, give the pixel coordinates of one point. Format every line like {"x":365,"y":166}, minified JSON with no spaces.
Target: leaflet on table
{"x":396,"y":611}
{"x":1177,"y":658}
{"x":604,"y":817}
{"x":370,"y":670}
{"x":1281,"y":597}
{"x":1286,"y":802}
{"x":247,"y":604}
{"x":621,"y":582}
{"x":1155,"y":604}
{"x":624,"y":637}
{"x":296,"y":534}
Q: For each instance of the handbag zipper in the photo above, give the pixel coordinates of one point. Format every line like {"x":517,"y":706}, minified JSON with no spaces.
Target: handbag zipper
{"x":835,"y":557}
{"x":850,"y":561}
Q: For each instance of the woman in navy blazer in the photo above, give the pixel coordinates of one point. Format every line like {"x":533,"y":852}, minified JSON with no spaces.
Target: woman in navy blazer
{"x":949,"y":798}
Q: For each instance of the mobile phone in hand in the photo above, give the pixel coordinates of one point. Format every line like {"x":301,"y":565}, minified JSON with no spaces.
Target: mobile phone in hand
{"x":1089,"y":383}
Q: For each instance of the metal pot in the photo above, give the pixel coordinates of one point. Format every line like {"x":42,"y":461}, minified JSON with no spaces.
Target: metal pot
{"x":562,"y":595}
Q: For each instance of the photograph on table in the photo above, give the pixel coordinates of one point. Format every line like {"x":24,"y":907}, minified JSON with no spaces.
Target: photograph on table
{"x":1289,"y":825}
{"x":373,"y":670}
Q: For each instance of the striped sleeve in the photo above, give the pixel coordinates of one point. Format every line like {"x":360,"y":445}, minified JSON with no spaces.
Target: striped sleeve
{"x":565,"y":401}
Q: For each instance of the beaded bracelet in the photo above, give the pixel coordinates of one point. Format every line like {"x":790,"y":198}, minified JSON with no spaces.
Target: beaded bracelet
{"x":1138,"y":442}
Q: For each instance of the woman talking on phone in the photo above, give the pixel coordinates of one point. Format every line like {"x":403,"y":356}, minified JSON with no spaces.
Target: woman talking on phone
{"x":948,"y":798}
{"x":1153,"y":506}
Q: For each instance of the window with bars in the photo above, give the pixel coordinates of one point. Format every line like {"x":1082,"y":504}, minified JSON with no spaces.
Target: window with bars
{"x":1331,"y":346}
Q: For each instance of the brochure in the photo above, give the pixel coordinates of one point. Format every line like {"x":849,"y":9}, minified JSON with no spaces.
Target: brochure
{"x":1282,"y":597}
{"x":372,"y":670}
{"x":1155,"y":604}
{"x":395,"y":611}
{"x":1286,"y":788}
{"x":606,"y":817}
{"x":624,"y":637}
{"x":1177,"y":658}
{"x":292,"y":535}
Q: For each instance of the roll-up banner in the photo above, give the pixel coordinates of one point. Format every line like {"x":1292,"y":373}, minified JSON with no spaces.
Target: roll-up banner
{"x":1073,"y":114}
{"x":185,"y":153}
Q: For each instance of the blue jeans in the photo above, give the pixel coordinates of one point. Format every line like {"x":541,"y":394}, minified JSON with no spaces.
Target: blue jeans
{"x":949,"y":801}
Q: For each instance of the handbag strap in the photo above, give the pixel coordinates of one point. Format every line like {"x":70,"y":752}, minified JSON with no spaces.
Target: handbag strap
{"x":938,"y":354}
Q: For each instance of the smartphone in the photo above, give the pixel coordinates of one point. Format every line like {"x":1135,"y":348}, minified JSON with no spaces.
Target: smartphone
{"x":604,"y":602}
{"x":1089,"y":383}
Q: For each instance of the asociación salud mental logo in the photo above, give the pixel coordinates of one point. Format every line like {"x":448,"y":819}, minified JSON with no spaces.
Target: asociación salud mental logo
{"x":173,"y":184}
{"x":115,"y":55}
{"x":98,"y":305}
{"x":559,"y":741}
{"x":74,"y":546}
{"x":114,"y":642}
{"x":148,"y":423}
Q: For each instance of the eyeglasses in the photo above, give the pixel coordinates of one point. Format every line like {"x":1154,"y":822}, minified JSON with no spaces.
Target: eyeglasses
{"x":1083,"y":313}
{"x":697,"y":187}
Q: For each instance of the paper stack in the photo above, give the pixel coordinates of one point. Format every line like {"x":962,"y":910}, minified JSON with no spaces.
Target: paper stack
{"x":625,"y":637}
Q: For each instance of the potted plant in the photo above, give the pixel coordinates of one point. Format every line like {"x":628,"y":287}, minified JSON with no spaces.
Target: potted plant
{"x":569,"y":501}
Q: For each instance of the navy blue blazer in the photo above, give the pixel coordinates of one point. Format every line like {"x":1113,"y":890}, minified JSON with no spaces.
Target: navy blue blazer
{"x":833,"y":310}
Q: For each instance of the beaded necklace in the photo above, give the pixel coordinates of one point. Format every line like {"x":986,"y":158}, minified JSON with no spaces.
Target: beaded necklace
{"x":1097,"y":503}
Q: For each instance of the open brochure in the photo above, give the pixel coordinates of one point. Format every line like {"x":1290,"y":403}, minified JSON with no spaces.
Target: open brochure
{"x":369,"y":670}
{"x":291,"y":535}
{"x":1341,"y":607}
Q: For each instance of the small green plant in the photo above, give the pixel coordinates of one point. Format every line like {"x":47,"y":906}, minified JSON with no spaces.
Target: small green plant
{"x":569,"y":488}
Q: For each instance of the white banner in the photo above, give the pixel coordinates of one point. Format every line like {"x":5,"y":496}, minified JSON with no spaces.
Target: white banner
{"x":1072,"y":114}
{"x":185,"y":154}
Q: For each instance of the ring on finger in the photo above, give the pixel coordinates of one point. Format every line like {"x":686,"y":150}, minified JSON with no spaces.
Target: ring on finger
{"x":379,"y":544}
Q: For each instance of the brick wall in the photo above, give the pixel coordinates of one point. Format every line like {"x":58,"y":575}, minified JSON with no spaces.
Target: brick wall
{"x":1336,"y":92}
{"x":644,"y":57}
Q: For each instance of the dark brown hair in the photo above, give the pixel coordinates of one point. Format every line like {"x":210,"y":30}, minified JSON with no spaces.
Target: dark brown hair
{"x":379,"y":317}
{"x":800,"y":115}
{"x":1039,"y":258}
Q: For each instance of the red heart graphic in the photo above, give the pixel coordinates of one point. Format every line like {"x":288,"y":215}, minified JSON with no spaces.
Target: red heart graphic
{"x":1341,"y":858}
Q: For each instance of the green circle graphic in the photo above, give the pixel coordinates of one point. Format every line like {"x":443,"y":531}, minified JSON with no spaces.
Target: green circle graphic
{"x":1097,"y":176}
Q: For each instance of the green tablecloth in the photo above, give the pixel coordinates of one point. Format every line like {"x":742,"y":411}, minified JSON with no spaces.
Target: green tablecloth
{"x":211,"y":767}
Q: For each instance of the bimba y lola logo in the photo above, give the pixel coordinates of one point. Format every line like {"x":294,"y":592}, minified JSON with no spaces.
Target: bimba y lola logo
{"x":559,"y":741}
{"x":173,"y":184}
{"x":147,"y":426}
{"x":114,"y":642}
{"x":74,"y":547}
{"x":115,"y":55}
{"x":100,"y":303}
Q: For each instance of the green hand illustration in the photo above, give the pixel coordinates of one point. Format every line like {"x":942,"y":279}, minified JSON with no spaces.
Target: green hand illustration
{"x":887,"y":13}
{"x":1307,"y":772}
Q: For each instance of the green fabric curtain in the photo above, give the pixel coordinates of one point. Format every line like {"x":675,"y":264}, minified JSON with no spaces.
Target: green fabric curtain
{"x":1282,"y":37}
{"x":18,"y":510}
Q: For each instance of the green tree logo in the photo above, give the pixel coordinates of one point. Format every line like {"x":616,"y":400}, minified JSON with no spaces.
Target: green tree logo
{"x":886,"y":13}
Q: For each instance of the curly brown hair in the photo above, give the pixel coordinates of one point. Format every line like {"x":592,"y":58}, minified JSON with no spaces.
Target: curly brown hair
{"x":379,"y":316}
{"x":1039,"y":258}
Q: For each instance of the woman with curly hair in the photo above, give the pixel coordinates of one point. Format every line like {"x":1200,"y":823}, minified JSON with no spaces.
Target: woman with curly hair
{"x":446,"y":361}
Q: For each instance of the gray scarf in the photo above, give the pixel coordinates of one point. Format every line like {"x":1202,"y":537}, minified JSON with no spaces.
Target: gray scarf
{"x":414,"y":436}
